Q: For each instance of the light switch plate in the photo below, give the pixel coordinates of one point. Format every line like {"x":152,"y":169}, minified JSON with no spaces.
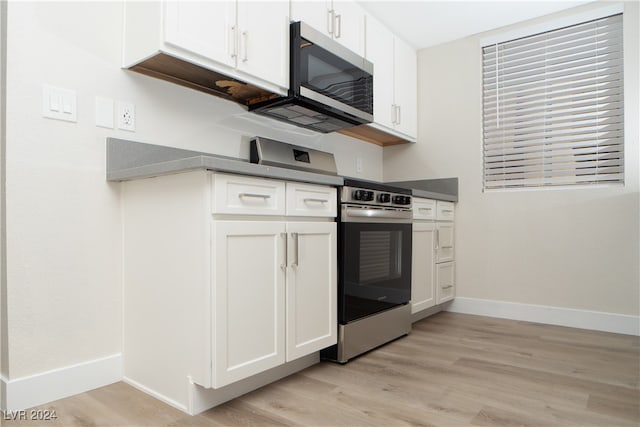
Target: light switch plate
{"x":104,"y":112}
{"x":59,"y":103}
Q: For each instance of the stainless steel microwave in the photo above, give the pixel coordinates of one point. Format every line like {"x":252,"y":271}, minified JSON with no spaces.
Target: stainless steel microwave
{"x":331,"y":87}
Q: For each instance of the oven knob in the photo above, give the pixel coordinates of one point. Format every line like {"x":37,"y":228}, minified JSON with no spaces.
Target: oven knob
{"x":368,"y":196}
{"x":384,"y":197}
{"x":398,"y":199}
{"x":357,"y":194}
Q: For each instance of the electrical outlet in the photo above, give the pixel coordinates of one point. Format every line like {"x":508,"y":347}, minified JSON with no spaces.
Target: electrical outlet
{"x":126,"y":116}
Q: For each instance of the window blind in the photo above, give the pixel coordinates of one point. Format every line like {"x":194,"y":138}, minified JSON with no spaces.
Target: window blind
{"x":553,"y":108}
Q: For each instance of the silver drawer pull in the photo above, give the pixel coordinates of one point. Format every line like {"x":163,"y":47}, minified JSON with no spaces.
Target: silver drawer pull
{"x":424,"y":209}
{"x":323,"y":201}
{"x":258,"y":196}
{"x":447,"y":287}
{"x":447,"y":210}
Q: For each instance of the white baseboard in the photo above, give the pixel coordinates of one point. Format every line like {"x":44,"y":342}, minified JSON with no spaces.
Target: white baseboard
{"x":584,"y":319}
{"x":34,"y":390}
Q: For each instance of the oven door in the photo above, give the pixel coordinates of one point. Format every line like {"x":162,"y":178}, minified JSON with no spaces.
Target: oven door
{"x":326,"y":72}
{"x":375,"y":268}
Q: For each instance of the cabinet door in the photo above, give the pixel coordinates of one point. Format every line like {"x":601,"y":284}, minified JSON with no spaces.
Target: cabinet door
{"x":422,"y":266}
{"x":379,"y":50}
{"x":444,"y":241}
{"x":406,"y":88}
{"x":263,"y":34}
{"x":248,"y":299}
{"x":316,"y":13}
{"x":349,"y":25}
{"x":203,"y":28}
{"x":311,"y":287}
{"x":445,"y":281}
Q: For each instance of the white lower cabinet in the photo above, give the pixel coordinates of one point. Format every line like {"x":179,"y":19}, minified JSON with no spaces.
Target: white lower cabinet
{"x":222,"y":283}
{"x":445,"y":281}
{"x":423,"y":266}
{"x":433,"y":266}
{"x":311,"y":321}
{"x":274,"y":294}
{"x":248,"y":299}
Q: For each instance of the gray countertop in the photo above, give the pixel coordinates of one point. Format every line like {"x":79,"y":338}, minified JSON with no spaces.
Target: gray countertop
{"x":439,"y":189}
{"x":127,"y":160}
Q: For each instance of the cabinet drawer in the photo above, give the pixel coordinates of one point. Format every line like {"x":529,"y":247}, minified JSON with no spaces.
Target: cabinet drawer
{"x":424,"y":208}
{"x":445,"y":281}
{"x":444,"y":241}
{"x":445,"y":211}
{"x":311,"y":200}
{"x":236,"y":194}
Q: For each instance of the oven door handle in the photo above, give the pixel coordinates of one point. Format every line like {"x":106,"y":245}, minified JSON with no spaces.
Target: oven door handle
{"x":377,"y":213}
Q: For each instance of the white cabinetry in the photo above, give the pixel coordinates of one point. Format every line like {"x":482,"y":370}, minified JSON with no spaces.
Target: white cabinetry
{"x":433,"y":266}
{"x":342,"y":20}
{"x":274,"y":282}
{"x":248,"y":40}
{"x":225,"y":279}
{"x":395,"y":102}
{"x":423,"y":276}
{"x":445,"y":264}
{"x":248,"y":298}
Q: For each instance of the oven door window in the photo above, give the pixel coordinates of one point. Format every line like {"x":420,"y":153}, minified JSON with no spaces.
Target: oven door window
{"x":375,"y":268}
{"x":329,"y":75}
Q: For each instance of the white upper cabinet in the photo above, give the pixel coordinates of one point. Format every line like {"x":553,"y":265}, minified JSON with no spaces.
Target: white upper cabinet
{"x":405,"y":86}
{"x":201,"y":28}
{"x":263,"y":40}
{"x":380,"y":53}
{"x":247,"y":40}
{"x":395,"y":102}
{"x":342,"y":20}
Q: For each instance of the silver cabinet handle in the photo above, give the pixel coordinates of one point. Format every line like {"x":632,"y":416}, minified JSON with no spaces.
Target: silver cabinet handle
{"x":338,"y":26}
{"x":447,"y":287}
{"x":283,"y":266}
{"x":425,"y":209}
{"x":295,"y":252}
{"x":447,"y":210}
{"x":233,"y":41}
{"x":245,"y":45}
{"x":330,"y":21}
{"x":398,"y":114}
{"x":323,"y":201}
{"x":255,"y":195}
{"x":437,"y":239}
{"x":393,"y":113}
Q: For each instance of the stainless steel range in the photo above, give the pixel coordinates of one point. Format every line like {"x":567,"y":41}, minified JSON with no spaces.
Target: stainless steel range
{"x":374,"y":268}
{"x":374,"y":252}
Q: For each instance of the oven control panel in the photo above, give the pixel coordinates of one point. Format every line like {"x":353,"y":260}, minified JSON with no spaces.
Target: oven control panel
{"x":374,"y":197}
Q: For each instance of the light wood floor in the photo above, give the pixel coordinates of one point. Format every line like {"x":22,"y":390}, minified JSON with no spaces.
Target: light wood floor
{"x":452,"y":370}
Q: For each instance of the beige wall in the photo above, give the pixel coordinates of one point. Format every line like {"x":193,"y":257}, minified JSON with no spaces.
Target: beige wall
{"x":64,"y":281}
{"x":571,"y":248}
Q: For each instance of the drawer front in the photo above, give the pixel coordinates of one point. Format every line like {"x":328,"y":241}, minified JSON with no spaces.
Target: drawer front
{"x":444,"y":241}
{"x":445,"y":281}
{"x":445,"y":211}
{"x":424,"y":208}
{"x":236,"y":194}
{"x":311,"y":200}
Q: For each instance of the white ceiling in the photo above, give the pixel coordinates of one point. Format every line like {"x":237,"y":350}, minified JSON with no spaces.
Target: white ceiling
{"x":425,"y":23}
